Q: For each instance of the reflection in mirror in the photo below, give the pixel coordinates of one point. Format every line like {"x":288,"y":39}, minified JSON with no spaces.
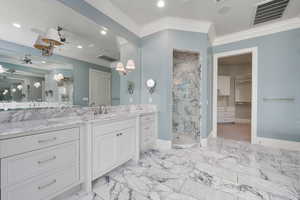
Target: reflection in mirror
{"x":26,"y":78}
{"x":49,"y":59}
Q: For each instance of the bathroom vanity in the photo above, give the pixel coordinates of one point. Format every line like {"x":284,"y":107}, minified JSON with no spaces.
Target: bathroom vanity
{"x":45,"y":160}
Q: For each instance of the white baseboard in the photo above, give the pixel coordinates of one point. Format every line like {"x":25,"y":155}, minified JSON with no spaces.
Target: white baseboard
{"x":242,"y":121}
{"x":163,"y":144}
{"x":282,"y":144}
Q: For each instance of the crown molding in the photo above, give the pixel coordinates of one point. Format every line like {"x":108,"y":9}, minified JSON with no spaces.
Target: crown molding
{"x":212,"y":33}
{"x":107,"y":8}
{"x":177,"y":24}
{"x":286,"y":25}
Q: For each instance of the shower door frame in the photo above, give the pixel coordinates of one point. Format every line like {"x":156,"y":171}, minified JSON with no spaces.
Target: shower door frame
{"x":171,"y":87}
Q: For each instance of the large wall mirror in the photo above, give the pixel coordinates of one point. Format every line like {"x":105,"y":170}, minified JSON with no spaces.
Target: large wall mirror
{"x":48,"y":60}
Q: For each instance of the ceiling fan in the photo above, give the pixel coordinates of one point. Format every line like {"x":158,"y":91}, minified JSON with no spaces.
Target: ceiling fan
{"x":26,"y":59}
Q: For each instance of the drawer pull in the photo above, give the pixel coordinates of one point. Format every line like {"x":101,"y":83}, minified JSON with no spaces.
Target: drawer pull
{"x":45,"y":161}
{"x":119,"y":134}
{"x":47,"y":140}
{"x":47,"y":185}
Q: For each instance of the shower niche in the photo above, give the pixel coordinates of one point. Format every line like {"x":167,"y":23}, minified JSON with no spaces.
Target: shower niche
{"x":186,"y":99}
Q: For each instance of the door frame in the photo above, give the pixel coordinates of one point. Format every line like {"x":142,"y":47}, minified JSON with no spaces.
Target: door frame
{"x":91,"y":70}
{"x":254,"y":52}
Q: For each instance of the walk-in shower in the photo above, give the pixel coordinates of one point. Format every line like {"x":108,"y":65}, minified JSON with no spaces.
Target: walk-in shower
{"x":186,"y":98}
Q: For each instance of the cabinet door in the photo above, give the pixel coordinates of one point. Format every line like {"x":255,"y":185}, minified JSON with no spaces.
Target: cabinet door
{"x":125,"y":145}
{"x":104,"y":153}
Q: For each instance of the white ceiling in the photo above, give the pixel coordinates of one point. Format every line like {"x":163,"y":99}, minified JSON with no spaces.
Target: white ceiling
{"x":228,"y":16}
{"x":37,"y":16}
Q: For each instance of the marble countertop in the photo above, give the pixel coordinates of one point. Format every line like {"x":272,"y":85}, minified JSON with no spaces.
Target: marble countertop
{"x":29,"y":127}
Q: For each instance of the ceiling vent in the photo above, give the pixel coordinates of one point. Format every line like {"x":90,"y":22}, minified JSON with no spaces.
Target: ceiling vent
{"x":270,"y":10}
{"x":109,"y":58}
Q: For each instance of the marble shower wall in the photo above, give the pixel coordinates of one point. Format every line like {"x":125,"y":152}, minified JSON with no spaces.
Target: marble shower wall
{"x":186,"y":97}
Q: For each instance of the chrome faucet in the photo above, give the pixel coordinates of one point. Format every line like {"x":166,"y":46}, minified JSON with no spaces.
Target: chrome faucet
{"x":102,"y":109}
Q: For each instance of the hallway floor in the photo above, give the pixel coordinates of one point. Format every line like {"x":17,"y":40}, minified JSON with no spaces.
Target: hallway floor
{"x":235,"y":131}
{"x":225,"y":170}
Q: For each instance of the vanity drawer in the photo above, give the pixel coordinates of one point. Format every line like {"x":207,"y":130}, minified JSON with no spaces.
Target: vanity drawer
{"x":104,"y":129}
{"x":42,"y":188}
{"x":20,"y":168}
{"x":29,"y":143}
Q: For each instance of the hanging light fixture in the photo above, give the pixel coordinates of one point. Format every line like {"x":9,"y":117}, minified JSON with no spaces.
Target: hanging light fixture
{"x":125,"y":70}
{"x":46,"y":49}
{"x":49,"y":41}
{"x":52,"y":37}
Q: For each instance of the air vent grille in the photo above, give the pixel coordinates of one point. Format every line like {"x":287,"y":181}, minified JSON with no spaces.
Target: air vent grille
{"x":108,"y":58}
{"x":270,"y":11}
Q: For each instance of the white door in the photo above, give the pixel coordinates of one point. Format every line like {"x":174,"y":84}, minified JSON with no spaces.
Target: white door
{"x":104,"y":153}
{"x":100,"y":87}
{"x":125,"y":144}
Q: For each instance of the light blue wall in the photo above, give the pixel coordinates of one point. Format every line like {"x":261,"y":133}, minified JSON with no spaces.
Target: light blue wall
{"x":157,"y":62}
{"x":278,"y":77}
{"x":130,"y":51}
{"x":81,"y":69}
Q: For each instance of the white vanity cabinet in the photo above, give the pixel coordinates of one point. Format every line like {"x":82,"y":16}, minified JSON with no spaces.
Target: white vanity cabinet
{"x":113,"y":144}
{"x":40,"y":166}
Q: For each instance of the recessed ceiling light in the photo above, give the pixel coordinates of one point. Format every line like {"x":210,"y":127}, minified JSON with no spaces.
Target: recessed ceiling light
{"x":79,"y":47}
{"x":103,"y":32}
{"x":43,"y":62}
{"x":160,"y":4}
{"x":16,"y":25}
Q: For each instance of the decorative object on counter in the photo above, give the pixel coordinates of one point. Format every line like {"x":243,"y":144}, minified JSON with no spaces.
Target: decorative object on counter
{"x":151,"y":84}
{"x":130,"y":86}
{"x":49,"y":93}
{"x":125,"y":70}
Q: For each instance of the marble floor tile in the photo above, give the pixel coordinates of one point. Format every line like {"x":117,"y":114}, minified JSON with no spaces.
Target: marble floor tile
{"x":225,"y":170}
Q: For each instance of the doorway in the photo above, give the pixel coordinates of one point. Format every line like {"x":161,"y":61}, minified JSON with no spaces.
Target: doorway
{"x":186,"y":99}
{"x":99,"y":87}
{"x":234,"y":95}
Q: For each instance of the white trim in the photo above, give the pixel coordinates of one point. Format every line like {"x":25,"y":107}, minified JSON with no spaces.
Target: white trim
{"x":254,"y":52}
{"x":163,"y":144}
{"x":177,"y":24}
{"x":242,"y":121}
{"x":286,"y":25}
{"x":212,"y":33}
{"x":281,"y":144}
{"x":106,"y":7}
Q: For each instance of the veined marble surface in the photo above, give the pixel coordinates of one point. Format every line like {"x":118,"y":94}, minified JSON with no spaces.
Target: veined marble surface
{"x":225,"y":170}
{"x":19,"y":122}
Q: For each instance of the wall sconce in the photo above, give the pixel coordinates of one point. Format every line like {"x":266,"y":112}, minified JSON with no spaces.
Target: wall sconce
{"x":151,"y":84}
{"x":58,"y":77}
{"x":130,"y":87}
{"x":125,"y":70}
